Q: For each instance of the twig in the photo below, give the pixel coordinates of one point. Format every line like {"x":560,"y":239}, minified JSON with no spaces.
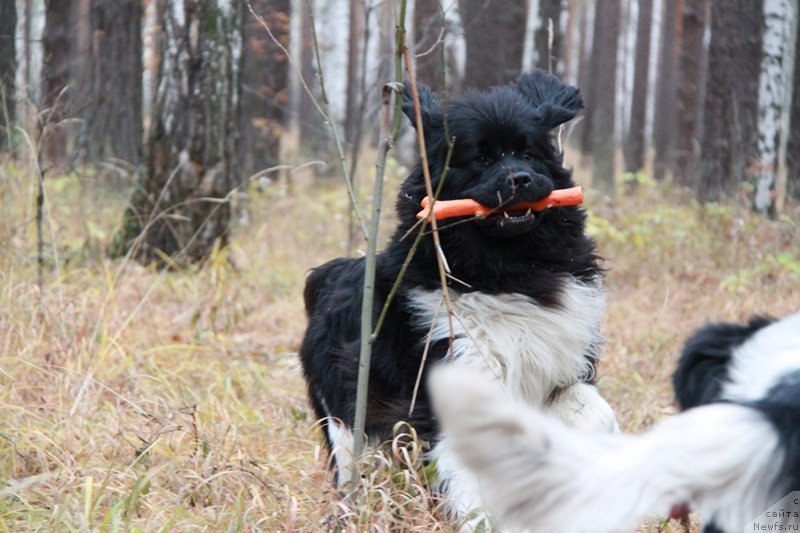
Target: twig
{"x":332,"y":124}
{"x":440,"y":260}
{"x":368,"y":297}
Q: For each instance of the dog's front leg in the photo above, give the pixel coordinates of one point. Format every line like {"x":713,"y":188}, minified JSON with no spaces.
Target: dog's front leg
{"x":580,"y":406}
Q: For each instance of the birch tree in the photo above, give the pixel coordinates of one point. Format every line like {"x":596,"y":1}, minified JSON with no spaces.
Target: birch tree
{"x":774,"y":93}
{"x":181,"y":205}
{"x":793,"y":141}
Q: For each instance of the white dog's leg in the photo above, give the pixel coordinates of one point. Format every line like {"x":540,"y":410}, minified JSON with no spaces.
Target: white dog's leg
{"x":580,"y":406}
{"x":536,"y":473}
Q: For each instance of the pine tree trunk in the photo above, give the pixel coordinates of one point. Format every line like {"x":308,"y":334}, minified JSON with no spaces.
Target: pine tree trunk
{"x":549,"y":59}
{"x":57,"y":44}
{"x":777,"y":63}
{"x":114,"y":108}
{"x":495,"y":37}
{"x":583,"y":128}
{"x":603,"y":76}
{"x":428,"y":25}
{"x":664,"y":116}
{"x":181,"y":205}
{"x":688,"y":102}
{"x":635,"y":145}
{"x":265,"y":81}
{"x":729,"y":140}
{"x":8,"y":65}
{"x":354,"y":46}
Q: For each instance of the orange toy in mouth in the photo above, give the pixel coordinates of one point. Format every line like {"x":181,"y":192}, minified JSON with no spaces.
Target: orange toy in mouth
{"x":443,"y":209}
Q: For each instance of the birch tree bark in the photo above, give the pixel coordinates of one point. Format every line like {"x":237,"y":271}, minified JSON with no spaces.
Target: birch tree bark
{"x":181,"y":205}
{"x":793,"y":142}
{"x":774,"y":93}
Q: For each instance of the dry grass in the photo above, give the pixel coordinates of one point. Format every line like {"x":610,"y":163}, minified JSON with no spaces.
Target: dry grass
{"x":138,"y":400}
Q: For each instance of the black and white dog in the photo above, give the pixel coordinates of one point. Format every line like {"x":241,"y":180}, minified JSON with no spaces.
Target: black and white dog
{"x":526,"y":290}
{"x":732,"y":455}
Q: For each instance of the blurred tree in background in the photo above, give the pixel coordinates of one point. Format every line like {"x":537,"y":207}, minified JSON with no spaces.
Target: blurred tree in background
{"x":181,"y":204}
{"x":8,"y":67}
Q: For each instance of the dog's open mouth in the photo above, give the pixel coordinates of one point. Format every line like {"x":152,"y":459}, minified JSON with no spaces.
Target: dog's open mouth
{"x":509,"y":223}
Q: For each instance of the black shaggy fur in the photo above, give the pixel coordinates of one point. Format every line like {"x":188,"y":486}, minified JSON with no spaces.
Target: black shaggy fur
{"x":504,"y":153}
{"x":703,"y":367}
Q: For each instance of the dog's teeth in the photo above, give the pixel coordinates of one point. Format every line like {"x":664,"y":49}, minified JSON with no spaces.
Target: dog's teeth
{"x":528,"y":212}
{"x":505,"y":214}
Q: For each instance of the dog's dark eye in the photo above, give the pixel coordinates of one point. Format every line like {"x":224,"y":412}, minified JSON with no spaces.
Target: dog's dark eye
{"x":527,"y":156}
{"x":482,"y":159}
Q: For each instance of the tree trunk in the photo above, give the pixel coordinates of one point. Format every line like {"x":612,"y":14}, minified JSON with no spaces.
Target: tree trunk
{"x":354,"y":46}
{"x":547,"y":57}
{"x":603,"y":76}
{"x":57,"y":44}
{"x":664,"y":116}
{"x":493,"y":57}
{"x":8,"y":66}
{"x":181,"y":205}
{"x":793,"y":143}
{"x":265,"y":81}
{"x":571,"y":41}
{"x":113,"y":110}
{"x":688,"y":110}
{"x":777,"y":63}
{"x":583,"y":128}
{"x":635,"y":145}
{"x":729,"y":140}
{"x":428,"y":27}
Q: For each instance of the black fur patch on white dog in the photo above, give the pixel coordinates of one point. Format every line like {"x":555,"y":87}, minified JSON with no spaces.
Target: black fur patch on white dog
{"x":527,"y":303}
{"x":731,"y":455}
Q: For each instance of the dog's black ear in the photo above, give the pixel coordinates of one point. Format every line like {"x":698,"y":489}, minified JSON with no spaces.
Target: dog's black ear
{"x":428,"y":106}
{"x":555,"y":101}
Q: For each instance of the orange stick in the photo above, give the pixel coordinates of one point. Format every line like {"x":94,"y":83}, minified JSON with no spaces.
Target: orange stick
{"x":466,"y":207}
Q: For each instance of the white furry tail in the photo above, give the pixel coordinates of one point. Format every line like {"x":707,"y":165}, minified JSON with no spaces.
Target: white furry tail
{"x":538,"y":474}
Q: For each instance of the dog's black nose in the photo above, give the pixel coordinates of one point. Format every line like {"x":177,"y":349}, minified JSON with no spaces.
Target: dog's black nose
{"x":520,"y":178}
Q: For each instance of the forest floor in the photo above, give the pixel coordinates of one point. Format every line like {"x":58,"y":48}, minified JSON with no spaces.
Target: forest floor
{"x":138,"y":400}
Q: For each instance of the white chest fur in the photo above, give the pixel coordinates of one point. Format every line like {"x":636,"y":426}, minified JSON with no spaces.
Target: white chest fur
{"x":529,"y":348}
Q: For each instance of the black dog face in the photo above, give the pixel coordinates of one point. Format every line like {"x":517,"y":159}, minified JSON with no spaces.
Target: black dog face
{"x":504,"y":149}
